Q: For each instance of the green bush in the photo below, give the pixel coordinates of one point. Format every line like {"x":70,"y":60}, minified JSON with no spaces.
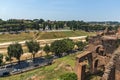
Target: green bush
{"x":1,"y":61}
{"x":87,"y":38}
{"x":47,"y":49}
{"x":81,"y":45}
{"x":68,"y":76}
{"x":7,"y":58}
{"x":61,"y":46}
{"x":1,"y":56}
{"x":70,"y":44}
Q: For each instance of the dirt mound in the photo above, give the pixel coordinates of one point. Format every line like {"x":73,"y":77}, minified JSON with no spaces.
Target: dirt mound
{"x":65,"y":66}
{"x":36,"y":78}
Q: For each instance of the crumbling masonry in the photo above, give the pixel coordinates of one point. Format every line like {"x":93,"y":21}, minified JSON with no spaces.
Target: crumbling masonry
{"x":100,"y":55}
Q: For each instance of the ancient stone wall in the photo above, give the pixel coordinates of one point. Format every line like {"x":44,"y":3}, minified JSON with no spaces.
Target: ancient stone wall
{"x":109,"y":43}
{"x":101,"y":52}
{"x":112,"y":66}
{"x":109,"y":73}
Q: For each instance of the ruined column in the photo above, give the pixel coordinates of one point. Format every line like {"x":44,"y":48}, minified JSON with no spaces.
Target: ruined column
{"x":109,"y":73}
{"x":91,"y":63}
{"x":95,"y":66}
{"x":81,"y":71}
{"x":112,"y":74}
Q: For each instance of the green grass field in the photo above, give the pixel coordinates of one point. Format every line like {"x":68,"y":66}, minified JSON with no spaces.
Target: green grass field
{"x":42,"y":35}
{"x":51,"y":72}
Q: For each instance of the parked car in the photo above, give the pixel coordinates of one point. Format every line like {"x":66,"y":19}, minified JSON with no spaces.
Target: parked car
{"x":4,"y":72}
{"x":16,"y":70}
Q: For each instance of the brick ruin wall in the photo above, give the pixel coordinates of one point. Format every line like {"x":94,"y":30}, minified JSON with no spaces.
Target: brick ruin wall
{"x":112,"y":70}
{"x":104,"y":49}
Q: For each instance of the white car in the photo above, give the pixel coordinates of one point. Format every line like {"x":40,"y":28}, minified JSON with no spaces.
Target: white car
{"x":16,"y":70}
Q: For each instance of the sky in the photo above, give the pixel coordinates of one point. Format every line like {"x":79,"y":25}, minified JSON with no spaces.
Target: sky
{"x":87,"y":10}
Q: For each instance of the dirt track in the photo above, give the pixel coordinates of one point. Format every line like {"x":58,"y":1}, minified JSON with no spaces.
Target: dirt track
{"x":3,"y":46}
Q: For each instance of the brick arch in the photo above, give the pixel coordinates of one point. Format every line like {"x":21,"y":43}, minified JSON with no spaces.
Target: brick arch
{"x":99,"y":62}
{"x":97,"y":49}
{"x":96,"y":63}
{"x":81,"y":64}
{"x":100,"y":50}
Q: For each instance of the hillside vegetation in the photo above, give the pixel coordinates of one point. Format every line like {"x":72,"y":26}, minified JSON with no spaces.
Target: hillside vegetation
{"x":60,"y":66}
{"x":52,"y":72}
{"x":42,"y":35}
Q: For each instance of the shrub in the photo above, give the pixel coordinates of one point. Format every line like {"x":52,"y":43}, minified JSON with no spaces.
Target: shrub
{"x":81,"y":45}
{"x":1,"y":59}
{"x":61,"y":46}
{"x":47,"y":49}
{"x":68,"y":76}
{"x":7,"y":58}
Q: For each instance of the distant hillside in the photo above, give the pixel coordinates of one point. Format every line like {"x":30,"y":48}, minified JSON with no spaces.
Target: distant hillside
{"x":42,"y":35}
{"x":105,"y":22}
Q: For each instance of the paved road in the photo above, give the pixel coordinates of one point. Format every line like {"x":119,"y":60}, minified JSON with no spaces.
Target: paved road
{"x":28,"y":64}
{"x":25,"y":65}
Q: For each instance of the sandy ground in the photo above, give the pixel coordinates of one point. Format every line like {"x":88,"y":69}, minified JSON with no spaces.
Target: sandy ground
{"x":45,"y":40}
{"x":26,"y":55}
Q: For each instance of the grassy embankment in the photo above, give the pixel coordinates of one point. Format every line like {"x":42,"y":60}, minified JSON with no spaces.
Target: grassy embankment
{"x":42,"y":35}
{"x":52,"y":72}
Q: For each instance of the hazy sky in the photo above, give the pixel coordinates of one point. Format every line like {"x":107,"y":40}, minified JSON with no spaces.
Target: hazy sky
{"x":87,"y":10}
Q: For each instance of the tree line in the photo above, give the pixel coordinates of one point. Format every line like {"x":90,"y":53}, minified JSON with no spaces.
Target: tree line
{"x":17,"y":25}
{"x":59,"y":48}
